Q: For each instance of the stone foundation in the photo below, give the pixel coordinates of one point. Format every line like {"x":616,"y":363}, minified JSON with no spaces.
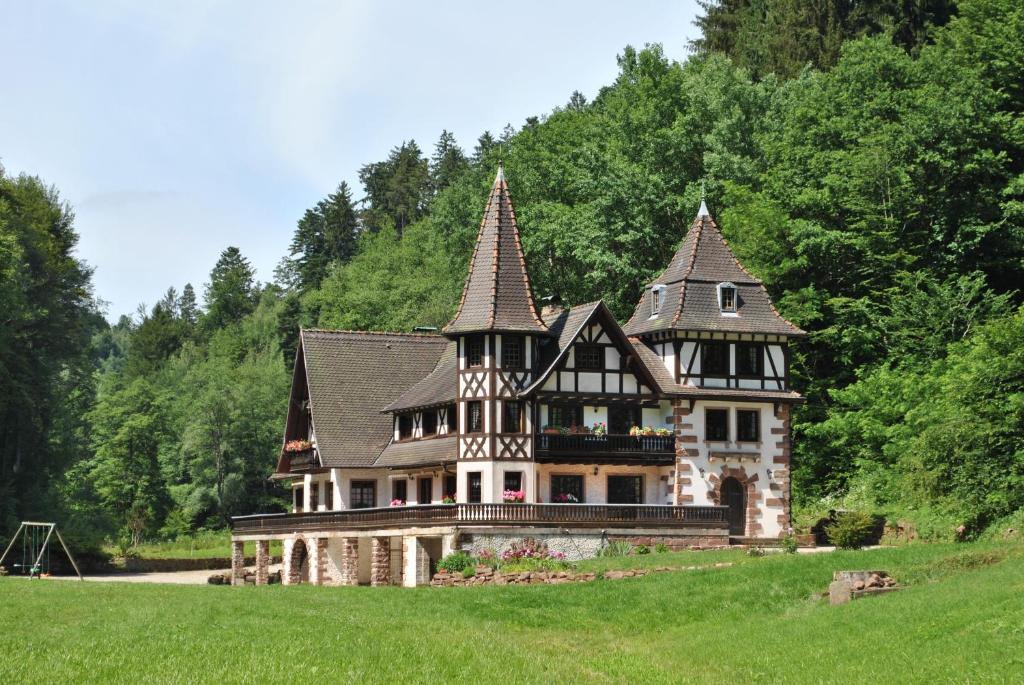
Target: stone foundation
{"x":349,"y":571}
{"x":380,"y":563}
{"x":586,"y":545}
{"x":262,"y":562}
{"x":237,"y":563}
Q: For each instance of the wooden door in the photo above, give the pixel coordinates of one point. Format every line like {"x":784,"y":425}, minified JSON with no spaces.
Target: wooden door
{"x":735,"y":498}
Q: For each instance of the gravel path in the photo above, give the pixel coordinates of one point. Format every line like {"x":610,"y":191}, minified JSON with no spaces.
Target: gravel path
{"x":174,"y":578}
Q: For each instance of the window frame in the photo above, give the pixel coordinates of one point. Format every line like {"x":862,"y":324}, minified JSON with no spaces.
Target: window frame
{"x":576,"y":410}
{"x":400,"y":489}
{"x":362,"y":485}
{"x":329,"y":495}
{"x":589,"y":347}
{"x":740,"y":436}
{"x":506,"y":406}
{"x":657,"y":298}
{"x":406,"y":426}
{"x":432,"y":413}
{"x":519,"y":345}
{"x":637,"y":477}
{"x":472,"y":476}
{"x":452,"y":416}
{"x":478,"y":405}
{"x":299,"y":499}
{"x":520,"y":476}
{"x":450,"y":487}
{"x":474,"y":350}
{"x":707,"y":424}
{"x":420,"y":482}
{"x":705,"y":348}
{"x":759,"y":363}
{"x":733,"y":305}
{"x":578,"y":477}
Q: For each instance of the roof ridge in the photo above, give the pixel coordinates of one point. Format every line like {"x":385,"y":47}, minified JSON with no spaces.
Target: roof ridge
{"x":347,"y":331}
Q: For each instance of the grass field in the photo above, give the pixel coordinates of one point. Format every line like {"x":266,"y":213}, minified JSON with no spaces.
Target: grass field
{"x":202,"y":545}
{"x":960,"y":620}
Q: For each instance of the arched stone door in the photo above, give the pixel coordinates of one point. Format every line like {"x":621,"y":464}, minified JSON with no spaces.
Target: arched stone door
{"x":297,"y":567}
{"x":735,"y":497}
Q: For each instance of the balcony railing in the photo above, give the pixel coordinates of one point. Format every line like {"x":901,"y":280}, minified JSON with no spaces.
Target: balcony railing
{"x":301,"y":461}
{"x":546,"y":515}
{"x":579,"y":444}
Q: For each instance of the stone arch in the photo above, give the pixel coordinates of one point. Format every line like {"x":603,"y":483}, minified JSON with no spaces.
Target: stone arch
{"x":753,"y":527}
{"x":296,"y":563}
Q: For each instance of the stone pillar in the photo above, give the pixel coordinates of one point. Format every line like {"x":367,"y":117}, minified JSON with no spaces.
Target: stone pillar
{"x":237,"y":562}
{"x":317,"y":561}
{"x":350,"y":561}
{"x":262,"y":562}
{"x":380,"y":562}
{"x":781,"y":465}
{"x":417,"y":562}
{"x":686,"y":451}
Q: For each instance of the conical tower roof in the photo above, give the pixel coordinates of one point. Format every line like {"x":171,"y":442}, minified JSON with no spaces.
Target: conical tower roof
{"x":497,"y":295}
{"x":689,"y":297}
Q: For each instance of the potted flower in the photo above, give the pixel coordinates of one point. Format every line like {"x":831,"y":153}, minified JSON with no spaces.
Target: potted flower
{"x":551,"y":430}
{"x":566,"y":498}
{"x":663,"y":432}
{"x":449,"y":499}
{"x":635,"y":431}
{"x":513,"y":497}
{"x":600,"y":429}
{"x":564,"y":430}
{"x":293,"y":446}
{"x":398,"y":502}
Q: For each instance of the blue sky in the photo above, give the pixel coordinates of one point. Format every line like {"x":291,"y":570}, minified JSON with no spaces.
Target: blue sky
{"x":177,"y":129}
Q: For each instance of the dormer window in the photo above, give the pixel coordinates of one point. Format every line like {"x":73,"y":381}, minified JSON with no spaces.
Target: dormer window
{"x":404,"y":426}
{"x":727,"y":298}
{"x":657,"y":299}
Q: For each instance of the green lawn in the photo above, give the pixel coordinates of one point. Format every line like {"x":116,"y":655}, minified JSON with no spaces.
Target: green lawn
{"x":961,"y":619}
{"x":202,"y":545}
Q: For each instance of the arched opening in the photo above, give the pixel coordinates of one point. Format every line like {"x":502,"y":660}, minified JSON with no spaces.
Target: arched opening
{"x":298,"y":563}
{"x":734,"y":496}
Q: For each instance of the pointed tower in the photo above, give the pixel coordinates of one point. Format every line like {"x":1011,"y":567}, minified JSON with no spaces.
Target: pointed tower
{"x":497,"y":327}
{"x":726,"y":346}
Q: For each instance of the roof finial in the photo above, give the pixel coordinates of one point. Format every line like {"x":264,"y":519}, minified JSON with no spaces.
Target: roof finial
{"x":703,"y":211}
{"x":501,"y":172}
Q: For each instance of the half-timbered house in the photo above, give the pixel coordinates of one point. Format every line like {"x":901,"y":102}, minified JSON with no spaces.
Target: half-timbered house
{"x":557,"y":423}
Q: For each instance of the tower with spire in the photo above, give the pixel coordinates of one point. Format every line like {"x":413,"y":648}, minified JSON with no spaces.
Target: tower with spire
{"x":497,"y":329}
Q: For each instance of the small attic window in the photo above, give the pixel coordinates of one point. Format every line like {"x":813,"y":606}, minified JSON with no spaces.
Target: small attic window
{"x":727,"y":297}
{"x":657,"y":299}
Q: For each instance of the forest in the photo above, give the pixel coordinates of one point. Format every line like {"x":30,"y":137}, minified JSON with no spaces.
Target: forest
{"x":866,"y":160}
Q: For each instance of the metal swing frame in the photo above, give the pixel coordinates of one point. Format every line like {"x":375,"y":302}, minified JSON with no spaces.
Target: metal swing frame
{"x":24,"y":528}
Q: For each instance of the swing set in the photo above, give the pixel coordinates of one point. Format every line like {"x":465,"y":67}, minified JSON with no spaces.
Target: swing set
{"x":35,"y":543}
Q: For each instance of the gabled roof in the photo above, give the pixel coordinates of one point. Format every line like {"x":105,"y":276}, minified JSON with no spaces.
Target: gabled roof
{"x":351,"y":376}
{"x":436,"y":389}
{"x":497,"y":294}
{"x":691,"y":280}
{"x":568,"y":325}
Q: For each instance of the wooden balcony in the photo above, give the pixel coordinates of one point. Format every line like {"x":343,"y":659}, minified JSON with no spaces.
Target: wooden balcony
{"x":587,"y":447}
{"x":498,"y":515}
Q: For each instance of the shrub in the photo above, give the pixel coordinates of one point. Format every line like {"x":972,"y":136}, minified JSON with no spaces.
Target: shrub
{"x":755,"y":552}
{"x":851,"y":530}
{"x":789,"y":545}
{"x":617,"y":549}
{"x":456,"y":562}
{"x":468,"y":572}
{"x":661,"y":548}
{"x":534,"y":564}
{"x":641,"y":549}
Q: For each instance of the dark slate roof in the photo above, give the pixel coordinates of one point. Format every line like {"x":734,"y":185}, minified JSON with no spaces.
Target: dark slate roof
{"x":497,"y":294}
{"x":351,"y":377}
{"x":436,"y":389}
{"x":426,"y":452}
{"x":702,"y":261}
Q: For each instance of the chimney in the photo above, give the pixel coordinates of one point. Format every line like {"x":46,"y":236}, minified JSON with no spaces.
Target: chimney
{"x":551,"y":307}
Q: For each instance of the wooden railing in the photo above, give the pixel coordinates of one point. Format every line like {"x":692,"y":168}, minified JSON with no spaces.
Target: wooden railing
{"x":576,"y":515}
{"x":588,"y":443}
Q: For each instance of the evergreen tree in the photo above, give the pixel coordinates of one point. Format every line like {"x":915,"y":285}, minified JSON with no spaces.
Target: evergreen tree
{"x":448,"y":163}
{"x":326,"y":233}
{"x":188,"y":309}
{"x":231,"y":292}
{"x":484,"y":144}
{"x":397,"y":189}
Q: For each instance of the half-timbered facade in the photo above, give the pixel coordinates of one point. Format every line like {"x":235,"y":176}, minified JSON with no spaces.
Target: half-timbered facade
{"x":674,"y":427}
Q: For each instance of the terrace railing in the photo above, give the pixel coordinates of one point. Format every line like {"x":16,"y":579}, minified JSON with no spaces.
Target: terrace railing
{"x":582,"y":444}
{"x":545,"y":515}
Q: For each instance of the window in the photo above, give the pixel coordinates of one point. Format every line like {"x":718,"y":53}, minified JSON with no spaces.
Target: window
{"x":429,"y":422}
{"x":329,"y":495}
{"x":716,"y":424}
{"x":565,"y":415}
{"x":657,"y":299}
{"x":714,"y":359}
{"x":452,"y":414}
{"x":622,"y":418}
{"x":511,"y":352}
{"x":512,"y":417}
{"x":399,"y":490}
{"x":300,"y":498}
{"x":727,"y":297}
{"x":426,"y":490}
{"x":749,"y":359}
{"x":513,"y":480}
{"x":566,"y":489}
{"x":625,"y":490}
{"x":364,"y":494}
{"x":474,"y":417}
{"x":450,"y":486}
{"x":475,"y":350}
{"x":404,"y":426}
{"x":589,"y":357}
{"x":474,"y":487}
{"x":748,"y":426}
{"x":314,"y":497}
